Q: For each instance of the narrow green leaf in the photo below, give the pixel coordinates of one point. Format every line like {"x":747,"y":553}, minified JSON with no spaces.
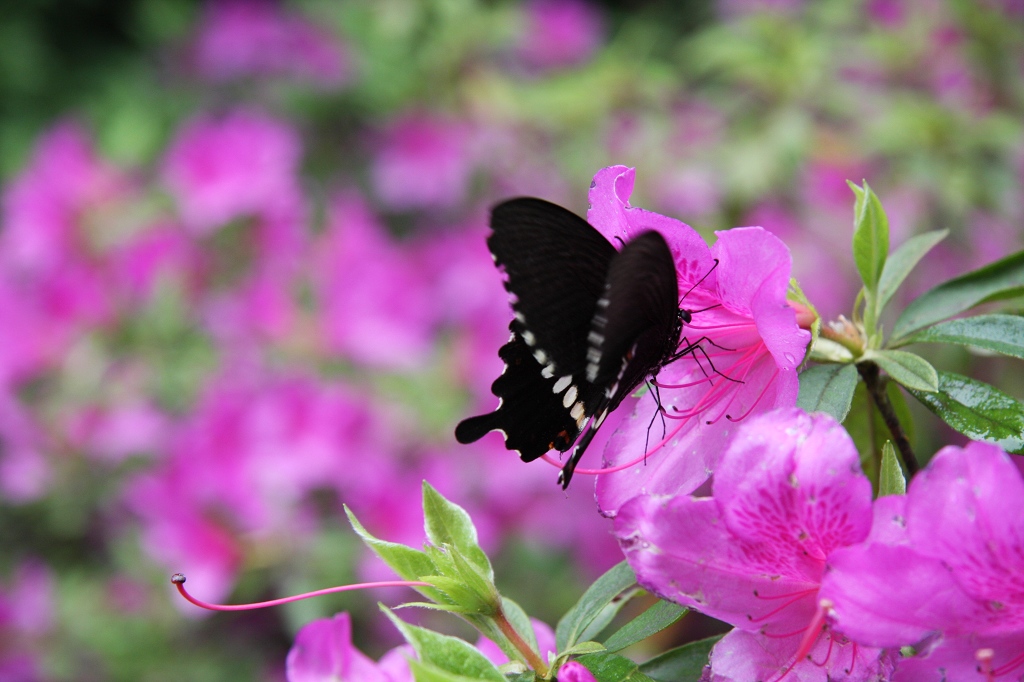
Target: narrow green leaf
{"x":1002,"y":279}
{"x":906,"y":368}
{"x":448,"y":654}
{"x":424,"y":672}
{"x":580,"y":648}
{"x":515,"y":615}
{"x":870,"y":236}
{"x":408,"y":563}
{"x":827,"y":388}
{"x":890,"y":477}
{"x":599,"y":595}
{"x":682,"y":664}
{"x":826,"y":350}
{"x":654,"y":619}
{"x":902,"y":261}
{"x":999,"y":333}
{"x":609,"y":667}
{"x":448,"y":523}
{"x":977,"y":410}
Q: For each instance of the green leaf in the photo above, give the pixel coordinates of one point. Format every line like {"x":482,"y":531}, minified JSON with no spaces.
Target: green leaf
{"x":902,"y":261}
{"x":1002,"y":279}
{"x":906,"y":368}
{"x":999,"y":333}
{"x":515,"y":615}
{"x":827,"y":388}
{"x":408,"y":563}
{"x":609,"y":667}
{"x":449,"y":524}
{"x":828,"y":351}
{"x":587,"y":647}
{"x":654,"y":619}
{"x":890,"y":478}
{"x":447,"y":654}
{"x":870,"y":236}
{"x":977,"y":410}
{"x":682,"y":664}
{"x":593,"y":602}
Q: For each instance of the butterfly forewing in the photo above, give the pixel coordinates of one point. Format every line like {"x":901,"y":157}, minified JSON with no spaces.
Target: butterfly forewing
{"x":555,"y":265}
{"x":636,"y":326}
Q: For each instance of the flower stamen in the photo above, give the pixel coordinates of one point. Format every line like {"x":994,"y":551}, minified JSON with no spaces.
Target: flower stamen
{"x":178,"y":579}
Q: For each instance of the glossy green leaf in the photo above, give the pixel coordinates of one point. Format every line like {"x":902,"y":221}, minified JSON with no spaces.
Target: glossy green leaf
{"x":905,"y":368}
{"x":890,"y":477}
{"x":593,"y":602}
{"x":651,"y":621}
{"x":977,"y":410}
{"x":1002,"y":279}
{"x":902,"y":261}
{"x":870,"y":236}
{"x":827,"y":388}
{"x":448,"y":523}
{"x":682,"y":664}
{"x":998,"y":333}
{"x":609,"y":667}
{"x":448,"y":654}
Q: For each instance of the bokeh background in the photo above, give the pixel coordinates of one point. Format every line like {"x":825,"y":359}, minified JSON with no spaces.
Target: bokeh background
{"x":243,"y":278}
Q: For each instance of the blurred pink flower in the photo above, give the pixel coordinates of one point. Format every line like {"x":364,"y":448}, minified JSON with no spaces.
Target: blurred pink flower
{"x":559,"y":33}
{"x":240,"y":38}
{"x":372,"y":293}
{"x":25,"y":472}
{"x":423,"y":161}
{"x":241,"y":164}
{"x":323,"y":650}
{"x":749,"y":339}
{"x":115,"y":433}
{"x":788,"y":493}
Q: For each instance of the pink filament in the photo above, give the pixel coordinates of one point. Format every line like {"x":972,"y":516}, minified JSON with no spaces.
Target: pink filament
{"x":794,"y":599}
{"x":1008,"y":667}
{"x":178,"y":580}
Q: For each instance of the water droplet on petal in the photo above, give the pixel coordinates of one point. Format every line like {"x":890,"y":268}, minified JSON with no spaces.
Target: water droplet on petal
{"x":789,"y":358}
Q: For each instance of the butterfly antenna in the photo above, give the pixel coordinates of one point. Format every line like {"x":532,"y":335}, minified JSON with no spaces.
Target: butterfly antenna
{"x":699,"y":283}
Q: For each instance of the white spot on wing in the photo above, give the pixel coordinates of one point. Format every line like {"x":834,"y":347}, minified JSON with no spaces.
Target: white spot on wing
{"x":569,"y":398}
{"x":562,"y":384}
{"x":540,"y":356}
{"x":529,"y":338}
{"x":548,"y":371}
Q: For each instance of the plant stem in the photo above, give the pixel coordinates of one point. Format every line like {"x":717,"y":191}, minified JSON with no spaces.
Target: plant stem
{"x":876,"y":389}
{"x":529,"y":655}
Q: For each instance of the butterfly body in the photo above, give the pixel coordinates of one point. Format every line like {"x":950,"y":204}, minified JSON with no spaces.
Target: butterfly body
{"x":591,"y":323}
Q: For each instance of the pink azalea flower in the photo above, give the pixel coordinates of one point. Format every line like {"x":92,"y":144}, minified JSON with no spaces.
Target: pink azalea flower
{"x":787,"y":494}
{"x":240,"y":38}
{"x":423,"y":161}
{"x":373,"y":297}
{"x":323,"y":650}
{"x":238,"y":165}
{"x":559,"y":33}
{"x":947,"y":575}
{"x":25,"y":473}
{"x":750,"y":347}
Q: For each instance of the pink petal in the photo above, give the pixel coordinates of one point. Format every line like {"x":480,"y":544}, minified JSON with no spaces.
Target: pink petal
{"x":955,"y":659}
{"x":886,"y":595}
{"x":682,"y":551}
{"x":575,"y":672}
{"x":323,"y":651}
{"x":744,"y":656}
{"x":793,"y":481}
{"x":753,"y":278}
{"x":967,"y":508}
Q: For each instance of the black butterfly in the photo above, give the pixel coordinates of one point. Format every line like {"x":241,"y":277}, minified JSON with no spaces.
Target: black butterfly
{"x":591,"y":324}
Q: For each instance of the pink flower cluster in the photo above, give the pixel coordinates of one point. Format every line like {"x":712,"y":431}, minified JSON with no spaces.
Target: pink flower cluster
{"x":822,"y":584}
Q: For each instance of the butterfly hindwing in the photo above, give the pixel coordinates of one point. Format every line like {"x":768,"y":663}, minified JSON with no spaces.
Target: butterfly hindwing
{"x":531,"y":414}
